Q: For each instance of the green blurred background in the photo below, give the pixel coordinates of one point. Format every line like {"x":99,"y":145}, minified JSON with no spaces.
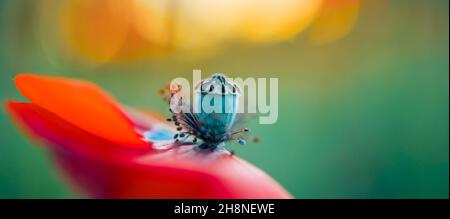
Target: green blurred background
{"x":363,"y":116}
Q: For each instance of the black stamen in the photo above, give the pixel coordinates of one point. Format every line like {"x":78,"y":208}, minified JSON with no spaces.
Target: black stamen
{"x":179,"y":128}
{"x":211,"y":88}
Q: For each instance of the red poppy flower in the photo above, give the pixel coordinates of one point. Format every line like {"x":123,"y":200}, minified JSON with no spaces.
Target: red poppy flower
{"x":105,"y":150}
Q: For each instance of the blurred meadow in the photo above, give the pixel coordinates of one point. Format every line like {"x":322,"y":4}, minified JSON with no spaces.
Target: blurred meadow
{"x":363,"y":84}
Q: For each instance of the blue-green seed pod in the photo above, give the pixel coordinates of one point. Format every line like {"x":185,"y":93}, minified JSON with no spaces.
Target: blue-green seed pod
{"x":217,"y":100}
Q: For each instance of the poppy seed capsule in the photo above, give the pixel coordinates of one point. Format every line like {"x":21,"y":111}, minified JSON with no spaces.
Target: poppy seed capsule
{"x":214,"y":106}
{"x":218,"y":106}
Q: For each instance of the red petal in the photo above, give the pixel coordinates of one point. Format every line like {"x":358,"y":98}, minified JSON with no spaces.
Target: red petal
{"x":82,"y":104}
{"x":227,"y":178}
{"x":63,"y":136}
{"x":102,"y":170}
{"x":219,"y":175}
